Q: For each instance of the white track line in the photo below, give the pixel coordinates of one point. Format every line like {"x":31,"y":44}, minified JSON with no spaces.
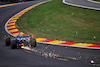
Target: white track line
{"x":68,"y":45}
{"x":93,"y":1}
{"x":80,"y":5}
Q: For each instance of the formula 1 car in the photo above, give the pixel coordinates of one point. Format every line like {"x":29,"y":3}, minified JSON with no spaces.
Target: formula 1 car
{"x":17,"y":42}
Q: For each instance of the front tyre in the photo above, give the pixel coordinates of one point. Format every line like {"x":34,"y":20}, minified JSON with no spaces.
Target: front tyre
{"x":33,"y":42}
{"x":13,"y":44}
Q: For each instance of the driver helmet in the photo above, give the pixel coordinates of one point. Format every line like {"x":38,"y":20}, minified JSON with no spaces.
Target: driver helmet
{"x":20,"y":35}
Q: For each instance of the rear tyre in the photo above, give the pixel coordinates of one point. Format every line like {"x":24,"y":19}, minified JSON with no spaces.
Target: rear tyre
{"x":8,"y":42}
{"x":13,"y":44}
{"x":33,"y":42}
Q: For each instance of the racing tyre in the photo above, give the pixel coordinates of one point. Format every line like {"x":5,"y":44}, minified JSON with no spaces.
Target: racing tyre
{"x":8,"y":42}
{"x":33,"y":42}
{"x":13,"y":44}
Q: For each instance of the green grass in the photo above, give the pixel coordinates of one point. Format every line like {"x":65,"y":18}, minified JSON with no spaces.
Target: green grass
{"x":55,"y":20}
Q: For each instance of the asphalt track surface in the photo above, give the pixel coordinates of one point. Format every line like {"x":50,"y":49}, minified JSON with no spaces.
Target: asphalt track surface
{"x":42,"y":55}
{"x":84,"y":3}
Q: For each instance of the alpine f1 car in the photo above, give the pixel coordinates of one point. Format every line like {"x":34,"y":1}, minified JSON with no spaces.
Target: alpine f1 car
{"x":17,"y":42}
